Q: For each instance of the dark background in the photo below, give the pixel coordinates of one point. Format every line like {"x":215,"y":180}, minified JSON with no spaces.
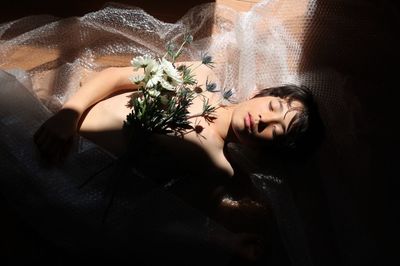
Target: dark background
{"x":168,"y":11}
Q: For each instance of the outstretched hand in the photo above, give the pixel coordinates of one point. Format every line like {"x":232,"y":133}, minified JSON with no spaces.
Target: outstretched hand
{"x":54,"y":138}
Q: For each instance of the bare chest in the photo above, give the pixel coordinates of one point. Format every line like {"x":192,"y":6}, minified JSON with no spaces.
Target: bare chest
{"x":199,"y":146}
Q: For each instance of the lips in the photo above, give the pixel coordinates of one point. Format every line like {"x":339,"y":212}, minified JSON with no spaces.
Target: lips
{"x":248,"y":121}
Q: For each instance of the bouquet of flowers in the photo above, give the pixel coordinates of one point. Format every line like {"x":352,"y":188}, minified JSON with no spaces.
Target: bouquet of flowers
{"x":165,"y":92}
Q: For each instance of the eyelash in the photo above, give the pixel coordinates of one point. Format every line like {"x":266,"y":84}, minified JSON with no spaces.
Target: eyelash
{"x":274,"y":131}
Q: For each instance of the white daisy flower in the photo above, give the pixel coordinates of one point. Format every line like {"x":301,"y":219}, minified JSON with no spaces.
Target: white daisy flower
{"x":171,"y":73}
{"x":166,"y":85}
{"x":153,"y":79}
{"x":153,"y":93}
{"x":153,"y":74}
{"x":142,"y":61}
{"x":137,"y":79}
{"x":152,"y":68}
{"x":140,"y":100}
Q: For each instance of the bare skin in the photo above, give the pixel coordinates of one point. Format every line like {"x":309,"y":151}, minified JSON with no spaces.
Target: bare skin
{"x":98,"y":109}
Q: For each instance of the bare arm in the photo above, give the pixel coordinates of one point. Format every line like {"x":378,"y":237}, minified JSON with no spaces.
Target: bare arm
{"x":54,"y":137}
{"x":104,"y":84}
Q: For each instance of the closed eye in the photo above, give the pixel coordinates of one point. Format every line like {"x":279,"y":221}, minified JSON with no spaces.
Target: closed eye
{"x":272,"y":107}
{"x":274,"y":132}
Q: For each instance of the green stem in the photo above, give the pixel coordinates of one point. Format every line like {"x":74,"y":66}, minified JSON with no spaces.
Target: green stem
{"x":196,"y":67}
{"x":179,"y":50}
{"x":200,"y":114}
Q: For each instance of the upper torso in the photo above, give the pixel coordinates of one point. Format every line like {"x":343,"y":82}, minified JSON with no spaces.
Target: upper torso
{"x":201,"y":148}
{"x":198,"y":154}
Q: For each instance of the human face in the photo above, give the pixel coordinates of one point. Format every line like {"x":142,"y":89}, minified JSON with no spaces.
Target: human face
{"x":260,"y":120}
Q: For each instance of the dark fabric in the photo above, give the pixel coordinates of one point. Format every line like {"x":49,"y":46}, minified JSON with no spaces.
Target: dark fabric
{"x":144,"y":217}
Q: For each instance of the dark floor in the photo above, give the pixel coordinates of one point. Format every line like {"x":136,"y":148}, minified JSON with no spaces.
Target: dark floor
{"x":19,"y":244}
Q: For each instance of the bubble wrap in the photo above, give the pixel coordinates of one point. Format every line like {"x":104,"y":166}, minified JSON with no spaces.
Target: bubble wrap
{"x":325,"y":45}
{"x":253,"y":50}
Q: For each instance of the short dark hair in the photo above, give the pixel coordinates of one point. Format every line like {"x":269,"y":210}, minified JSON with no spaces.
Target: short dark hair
{"x":305,"y":126}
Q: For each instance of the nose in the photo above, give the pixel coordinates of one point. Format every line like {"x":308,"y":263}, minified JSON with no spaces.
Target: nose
{"x":269,"y":117}
{"x":266,"y":119}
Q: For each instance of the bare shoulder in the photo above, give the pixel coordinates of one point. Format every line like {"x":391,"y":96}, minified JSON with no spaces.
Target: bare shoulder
{"x":223,"y":164}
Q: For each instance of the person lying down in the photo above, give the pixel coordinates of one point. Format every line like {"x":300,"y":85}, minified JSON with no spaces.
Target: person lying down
{"x":274,"y":119}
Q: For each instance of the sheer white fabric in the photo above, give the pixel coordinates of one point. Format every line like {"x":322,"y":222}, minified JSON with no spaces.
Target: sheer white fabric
{"x":253,"y":50}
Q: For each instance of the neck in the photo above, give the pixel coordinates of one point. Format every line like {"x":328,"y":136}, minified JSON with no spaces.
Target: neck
{"x":223,"y":124}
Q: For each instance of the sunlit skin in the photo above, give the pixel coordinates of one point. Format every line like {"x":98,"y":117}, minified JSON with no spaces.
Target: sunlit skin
{"x":99,"y":117}
{"x":97,"y":112}
{"x":259,"y":120}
